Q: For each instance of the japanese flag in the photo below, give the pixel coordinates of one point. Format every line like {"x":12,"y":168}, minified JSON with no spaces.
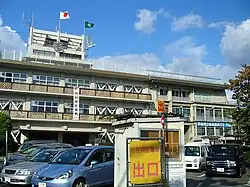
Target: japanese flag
{"x":64,"y":15}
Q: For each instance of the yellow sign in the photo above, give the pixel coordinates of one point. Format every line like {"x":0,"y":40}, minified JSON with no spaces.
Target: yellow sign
{"x":160,"y":106}
{"x":145,"y":162}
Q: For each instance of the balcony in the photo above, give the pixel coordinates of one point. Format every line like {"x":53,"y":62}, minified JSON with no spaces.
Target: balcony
{"x":175,"y":98}
{"x":55,"y":116}
{"x":69,"y":90}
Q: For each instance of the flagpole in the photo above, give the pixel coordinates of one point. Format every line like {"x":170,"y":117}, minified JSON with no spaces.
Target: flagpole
{"x":84,"y":41}
{"x":59,"y":28}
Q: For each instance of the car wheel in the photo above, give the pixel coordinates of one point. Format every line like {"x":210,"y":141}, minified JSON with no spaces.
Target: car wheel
{"x":79,"y":183}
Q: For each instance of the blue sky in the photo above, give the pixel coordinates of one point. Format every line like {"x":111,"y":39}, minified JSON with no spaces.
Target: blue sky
{"x":170,"y":35}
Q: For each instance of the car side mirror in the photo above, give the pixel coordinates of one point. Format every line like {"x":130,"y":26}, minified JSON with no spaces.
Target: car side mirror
{"x":92,"y":163}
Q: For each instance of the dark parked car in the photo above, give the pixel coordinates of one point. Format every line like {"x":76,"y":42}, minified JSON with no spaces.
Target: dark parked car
{"x":225,"y":159}
{"x":33,"y":150}
{"x":27,"y":144}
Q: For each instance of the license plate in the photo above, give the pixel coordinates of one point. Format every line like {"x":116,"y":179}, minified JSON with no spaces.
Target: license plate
{"x":220,"y":169}
{"x":41,"y":184}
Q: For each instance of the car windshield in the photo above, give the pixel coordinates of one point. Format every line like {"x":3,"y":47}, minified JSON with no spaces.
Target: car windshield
{"x":73,"y":156}
{"x":192,"y":151}
{"x":24,"y":146}
{"x":44,"y":156}
{"x":29,"y":150}
{"x":35,"y":151}
{"x":222,"y":150}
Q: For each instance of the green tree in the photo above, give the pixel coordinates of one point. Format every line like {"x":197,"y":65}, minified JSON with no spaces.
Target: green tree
{"x":240,"y":86}
{"x":5,"y":125}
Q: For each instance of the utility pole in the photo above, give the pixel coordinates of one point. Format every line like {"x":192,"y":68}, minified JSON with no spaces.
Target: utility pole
{"x":6,"y":144}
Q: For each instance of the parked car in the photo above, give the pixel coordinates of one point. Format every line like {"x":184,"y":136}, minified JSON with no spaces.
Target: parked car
{"x":27,"y":144}
{"x":225,"y":159}
{"x":21,"y":173}
{"x":195,"y":156}
{"x":31,"y":151}
{"x":78,"y":166}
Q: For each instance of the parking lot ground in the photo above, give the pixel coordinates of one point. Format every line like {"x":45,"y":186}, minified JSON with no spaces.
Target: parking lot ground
{"x":195,"y":179}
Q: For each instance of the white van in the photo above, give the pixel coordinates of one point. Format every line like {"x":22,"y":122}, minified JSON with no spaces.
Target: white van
{"x":195,"y":153}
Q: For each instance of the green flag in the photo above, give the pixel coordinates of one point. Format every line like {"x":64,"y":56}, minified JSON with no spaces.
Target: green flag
{"x":88,"y":24}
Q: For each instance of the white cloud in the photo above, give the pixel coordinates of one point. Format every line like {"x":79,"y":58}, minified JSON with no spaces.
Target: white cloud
{"x":10,"y":41}
{"x":235,"y":43}
{"x":220,"y":24}
{"x":146,"y":20}
{"x":190,"y":20}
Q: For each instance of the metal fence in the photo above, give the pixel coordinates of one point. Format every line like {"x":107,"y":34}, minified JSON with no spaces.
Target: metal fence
{"x":123,"y":68}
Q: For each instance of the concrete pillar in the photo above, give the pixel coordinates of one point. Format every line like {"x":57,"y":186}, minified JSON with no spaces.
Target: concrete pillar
{"x":92,"y":82}
{"x":92,"y":107}
{"x":60,"y":137}
{"x":191,"y":95}
{"x":30,"y":77}
{"x":170,"y":97}
{"x":120,"y":86}
{"x":27,"y":103}
{"x":62,"y":79}
{"x":61,"y":106}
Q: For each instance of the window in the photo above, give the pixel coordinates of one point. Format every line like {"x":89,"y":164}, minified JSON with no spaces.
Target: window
{"x":44,"y":106}
{"x":180,"y":93}
{"x":219,"y":131}
{"x":202,"y":96}
{"x":70,"y":56}
{"x":209,"y":113}
{"x":72,"y":82}
{"x":172,"y":141}
{"x":83,"y":108}
{"x":210,"y":131}
{"x":98,"y":156}
{"x":218,"y":112}
{"x":200,"y":111}
{"x":47,"y":80}
{"x":109,"y":155}
{"x":201,"y":130}
{"x":44,"y":53}
{"x":185,"y":111}
{"x":13,"y":77}
{"x":163,"y":91}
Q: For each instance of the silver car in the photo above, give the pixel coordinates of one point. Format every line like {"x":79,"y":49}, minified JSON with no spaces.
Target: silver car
{"x":21,"y":173}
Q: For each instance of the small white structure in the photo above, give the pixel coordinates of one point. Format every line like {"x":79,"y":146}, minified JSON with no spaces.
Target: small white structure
{"x":151,"y":127}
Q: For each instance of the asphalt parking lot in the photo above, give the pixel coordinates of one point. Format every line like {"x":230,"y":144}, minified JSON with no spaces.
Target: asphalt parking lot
{"x":200,"y":180}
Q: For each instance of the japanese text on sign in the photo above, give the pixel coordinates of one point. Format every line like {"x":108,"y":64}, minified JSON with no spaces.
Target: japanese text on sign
{"x":145,"y":162}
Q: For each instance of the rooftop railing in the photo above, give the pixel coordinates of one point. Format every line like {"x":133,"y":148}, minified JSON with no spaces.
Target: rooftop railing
{"x":117,"y":67}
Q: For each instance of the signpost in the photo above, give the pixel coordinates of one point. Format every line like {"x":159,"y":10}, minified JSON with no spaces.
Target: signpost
{"x":161,"y":109}
{"x":145,"y":162}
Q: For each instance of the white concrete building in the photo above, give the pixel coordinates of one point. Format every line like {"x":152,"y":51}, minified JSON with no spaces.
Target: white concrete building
{"x":38,"y":93}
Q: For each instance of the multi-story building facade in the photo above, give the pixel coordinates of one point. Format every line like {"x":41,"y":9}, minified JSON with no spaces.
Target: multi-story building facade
{"x":54,"y":93}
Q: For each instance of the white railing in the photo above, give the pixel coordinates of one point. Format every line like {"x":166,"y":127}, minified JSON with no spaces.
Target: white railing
{"x":11,"y":54}
{"x":117,"y":67}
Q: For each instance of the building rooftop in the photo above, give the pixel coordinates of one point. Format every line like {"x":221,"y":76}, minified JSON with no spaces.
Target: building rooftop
{"x":12,"y":58}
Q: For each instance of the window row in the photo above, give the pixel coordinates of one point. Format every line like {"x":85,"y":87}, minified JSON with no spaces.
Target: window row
{"x":210,"y":112}
{"x":69,"y":82}
{"x":213,"y":131}
{"x":52,"y":106}
{"x":175,"y":92}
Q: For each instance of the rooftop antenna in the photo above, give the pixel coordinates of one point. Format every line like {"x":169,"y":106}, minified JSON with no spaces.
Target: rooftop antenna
{"x":29,"y":22}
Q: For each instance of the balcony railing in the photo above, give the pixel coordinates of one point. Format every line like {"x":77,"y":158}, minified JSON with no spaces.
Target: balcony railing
{"x":175,"y":98}
{"x":56,"y":116}
{"x":69,"y":90}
